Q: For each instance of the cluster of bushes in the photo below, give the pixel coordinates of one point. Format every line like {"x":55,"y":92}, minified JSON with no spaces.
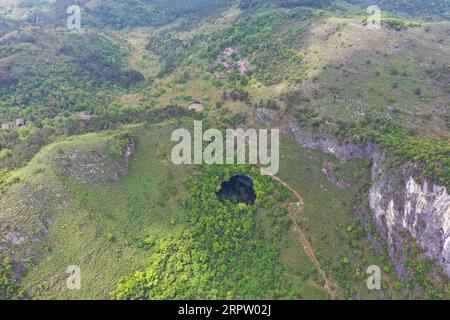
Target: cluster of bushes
{"x":101,"y":58}
{"x":421,"y":273}
{"x":20,"y":149}
{"x":307,"y":117}
{"x":184,"y":263}
{"x":398,"y":24}
{"x":268,"y":104}
{"x":8,"y":286}
{"x":171,"y":50}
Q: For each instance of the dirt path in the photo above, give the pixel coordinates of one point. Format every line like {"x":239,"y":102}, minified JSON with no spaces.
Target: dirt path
{"x":302,"y":236}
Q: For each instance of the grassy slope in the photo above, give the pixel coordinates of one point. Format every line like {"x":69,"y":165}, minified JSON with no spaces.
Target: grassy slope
{"x":346,"y":71}
{"x":109,"y":229}
{"x":106,"y":237}
{"x":362,"y":71}
{"x":106,"y":229}
{"x":327,"y":215}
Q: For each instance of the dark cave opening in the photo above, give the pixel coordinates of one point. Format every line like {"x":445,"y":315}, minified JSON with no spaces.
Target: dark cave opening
{"x":238,"y":189}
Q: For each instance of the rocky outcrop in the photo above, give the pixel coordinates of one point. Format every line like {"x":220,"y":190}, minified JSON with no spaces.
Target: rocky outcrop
{"x":96,"y":166}
{"x":27,"y":211}
{"x":328,"y":144}
{"x":400,"y":201}
{"x":29,"y":206}
{"x":267,"y":117}
{"x":328,"y":170}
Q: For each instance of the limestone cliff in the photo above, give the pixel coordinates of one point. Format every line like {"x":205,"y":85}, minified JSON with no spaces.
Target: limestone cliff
{"x":400,"y":201}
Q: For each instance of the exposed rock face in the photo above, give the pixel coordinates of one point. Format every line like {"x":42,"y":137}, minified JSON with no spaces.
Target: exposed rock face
{"x":198,"y":107}
{"x":397,"y":201}
{"x":267,"y":117}
{"x":28,"y":207}
{"x":329,"y":144}
{"x":225,"y":58}
{"x":93,"y":166}
{"x":26,"y":215}
{"x":328,"y":170}
{"x":243,"y":66}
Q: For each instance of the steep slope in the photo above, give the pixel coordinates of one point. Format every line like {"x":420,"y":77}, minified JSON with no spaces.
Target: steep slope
{"x":411,"y":217}
{"x":336,"y":72}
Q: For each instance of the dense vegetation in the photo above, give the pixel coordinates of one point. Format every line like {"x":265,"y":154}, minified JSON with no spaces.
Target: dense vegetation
{"x":265,"y":38}
{"x":307,"y":59}
{"x":421,"y":272}
{"x":118,"y":14}
{"x":224,"y":244}
{"x":432,"y":157}
{"x":72,"y":73}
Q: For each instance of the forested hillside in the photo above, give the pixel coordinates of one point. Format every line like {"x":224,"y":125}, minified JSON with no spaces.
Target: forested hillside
{"x":85,"y":143}
{"x":429,"y":10}
{"x":67,"y":69}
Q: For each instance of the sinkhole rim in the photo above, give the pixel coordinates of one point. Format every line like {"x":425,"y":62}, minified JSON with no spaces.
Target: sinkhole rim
{"x":238,"y":188}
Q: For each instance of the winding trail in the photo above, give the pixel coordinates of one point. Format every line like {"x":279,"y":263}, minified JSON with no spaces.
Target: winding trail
{"x":302,"y":236}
